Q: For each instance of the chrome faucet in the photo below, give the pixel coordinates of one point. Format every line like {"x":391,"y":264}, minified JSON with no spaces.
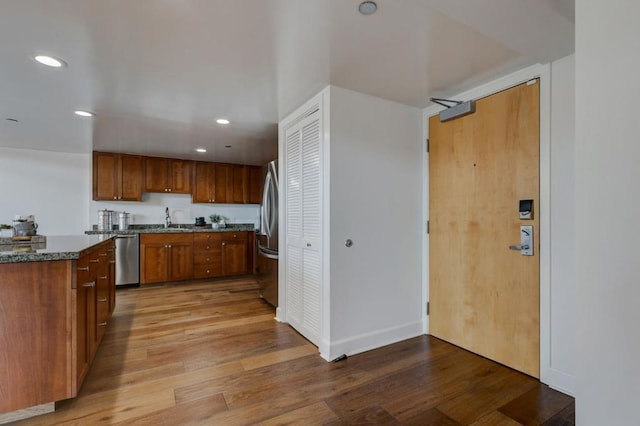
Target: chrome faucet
{"x":167,"y":218}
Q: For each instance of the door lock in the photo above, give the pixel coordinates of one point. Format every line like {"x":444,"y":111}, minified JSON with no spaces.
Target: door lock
{"x":526,"y":241}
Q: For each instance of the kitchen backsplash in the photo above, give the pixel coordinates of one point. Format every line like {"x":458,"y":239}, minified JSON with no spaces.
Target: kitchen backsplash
{"x":182,"y":210}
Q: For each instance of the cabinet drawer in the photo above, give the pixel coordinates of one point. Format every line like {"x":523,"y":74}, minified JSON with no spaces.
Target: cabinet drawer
{"x":206,"y":271}
{"x":207,"y":247}
{"x":204,"y":237}
{"x":167,"y":238}
{"x":207,"y":259}
{"x":235,"y":236}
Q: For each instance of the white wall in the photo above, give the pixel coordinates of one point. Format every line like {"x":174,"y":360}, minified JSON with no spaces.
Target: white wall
{"x":376,"y":200}
{"x":563,"y":281}
{"x":152,"y":210}
{"x":607,"y":205}
{"x":53,"y":186}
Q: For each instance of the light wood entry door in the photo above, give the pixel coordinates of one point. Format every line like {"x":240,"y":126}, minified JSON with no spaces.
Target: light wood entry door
{"x":484,"y":297}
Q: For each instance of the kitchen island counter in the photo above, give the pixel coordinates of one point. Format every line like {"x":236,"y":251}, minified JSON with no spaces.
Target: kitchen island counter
{"x":67,"y":247}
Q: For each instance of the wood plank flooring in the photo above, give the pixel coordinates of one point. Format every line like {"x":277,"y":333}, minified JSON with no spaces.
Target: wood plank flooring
{"x":210,"y":353}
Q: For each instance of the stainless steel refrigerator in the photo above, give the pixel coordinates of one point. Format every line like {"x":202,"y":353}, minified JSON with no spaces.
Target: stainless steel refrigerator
{"x":268,"y":236}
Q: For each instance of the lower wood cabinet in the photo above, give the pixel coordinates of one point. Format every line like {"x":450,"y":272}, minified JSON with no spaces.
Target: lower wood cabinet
{"x":52,"y":319}
{"x":235,"y":253}
{"x":166,"y":257}
{"x":95,"y":301}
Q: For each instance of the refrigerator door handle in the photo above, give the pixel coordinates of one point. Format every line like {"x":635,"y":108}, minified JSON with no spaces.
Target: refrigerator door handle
{"x":265,"y":208}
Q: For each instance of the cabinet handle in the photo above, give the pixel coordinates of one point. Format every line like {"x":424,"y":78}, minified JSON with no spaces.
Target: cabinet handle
{"x":235,"y":236}
{"x":169,"y":245}
{"x":82,"y":268}
{"x":208,"y":271}
{"x":103,"y":254}
{"x":89,"y":285}
{"x":208,"y":260}
{"x":103,"y":324}
{"x":224,"y":244}
{"x":102,"y":278}
{"x":208,"y":247}
{"x":112,"y":261}
{"x":115,"y":198}
{"x":94,"y":260}
{"x":169,"y":189}
{"x":102,"y":300}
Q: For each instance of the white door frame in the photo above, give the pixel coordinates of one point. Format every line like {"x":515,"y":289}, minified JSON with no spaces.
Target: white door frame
{"x":544,"y":73}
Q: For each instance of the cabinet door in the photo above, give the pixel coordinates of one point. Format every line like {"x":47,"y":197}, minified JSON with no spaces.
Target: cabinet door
{"x":234,"y":257}
{"x":105,"y":176}
{"x":83,"y":313}
{"x":153,"y":262}
{"x":180,"y":176}
{"x":255,"y":185}
{"x":156,"y":177}
{"x":130,"y":182}
{"x":102,"y":302}
{"x":224,"y":183}
{"x":240,"y":184}
{"x":204,"y":183}
{"x":181,"y":261}
{"x":111,"y":260}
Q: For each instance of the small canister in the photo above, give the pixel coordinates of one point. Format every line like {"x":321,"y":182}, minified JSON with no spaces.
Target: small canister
{"x":124,"y":220}
{"x":105,"y":220}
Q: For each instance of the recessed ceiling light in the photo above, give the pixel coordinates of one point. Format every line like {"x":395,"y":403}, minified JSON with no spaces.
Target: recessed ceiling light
{"x":368,"y":7}
{"x":50,"y":61}
{"x":222,"y":121}
{"x":201,"y":150}
{"x":82,"y":113}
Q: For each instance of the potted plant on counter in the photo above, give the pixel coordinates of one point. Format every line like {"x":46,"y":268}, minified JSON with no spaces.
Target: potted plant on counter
{"x":217,"y":221}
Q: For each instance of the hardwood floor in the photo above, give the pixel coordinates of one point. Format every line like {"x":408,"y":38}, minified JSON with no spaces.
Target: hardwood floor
{"x":210,"y":353}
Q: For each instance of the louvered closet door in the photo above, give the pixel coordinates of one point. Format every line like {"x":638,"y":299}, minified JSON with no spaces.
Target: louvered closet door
{"x":304,"y":227}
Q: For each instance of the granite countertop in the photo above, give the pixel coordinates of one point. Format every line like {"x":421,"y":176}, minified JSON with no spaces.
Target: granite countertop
{"x":55,"y":248}
{"x":178,"y":228}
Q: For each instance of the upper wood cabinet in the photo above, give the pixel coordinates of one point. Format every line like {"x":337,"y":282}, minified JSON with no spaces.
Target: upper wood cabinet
{"x":204,"y":183}
{"x":167,"y":175}
{"x":255,"y":185}
{"x":117,"y":177}
{"x":224,"y":183}
{"x":227,"y":183}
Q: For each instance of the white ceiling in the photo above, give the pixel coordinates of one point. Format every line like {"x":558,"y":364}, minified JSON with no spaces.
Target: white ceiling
{"x":159,"y":72}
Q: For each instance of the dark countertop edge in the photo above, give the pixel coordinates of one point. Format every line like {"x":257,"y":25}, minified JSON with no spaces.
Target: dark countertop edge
{"x":248,"y":228}
{"x":24,"y":257}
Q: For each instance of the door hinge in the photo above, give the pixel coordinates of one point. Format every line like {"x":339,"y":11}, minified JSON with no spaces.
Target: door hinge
{"x":427,"y":145}
{"x":427,"y":308}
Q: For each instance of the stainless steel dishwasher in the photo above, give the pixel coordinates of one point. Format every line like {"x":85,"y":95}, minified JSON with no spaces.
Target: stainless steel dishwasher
{"x":127,"y":260}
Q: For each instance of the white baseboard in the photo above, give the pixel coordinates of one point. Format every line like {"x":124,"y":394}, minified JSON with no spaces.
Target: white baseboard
{"x":368,"y":341}
{"x":559,"y":381}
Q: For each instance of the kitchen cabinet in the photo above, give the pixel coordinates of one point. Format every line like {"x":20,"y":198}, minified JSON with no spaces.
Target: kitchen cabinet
{"x":255,"y":185}
{"x":204,"y":185}
{"x":167,"y":175}
{"x":227,"y":183}
{"x":224,"y":183}
{"x":117,"y":177}
{"x":166,"y":257}
{"x":49,"y":321}
{"x":95,"y":300}
{"x":207,"y":255}
{"x":235,"y":253}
